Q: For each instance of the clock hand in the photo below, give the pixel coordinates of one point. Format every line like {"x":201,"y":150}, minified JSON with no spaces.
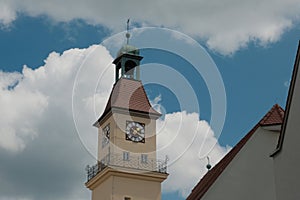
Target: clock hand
{"x":136,"y":132}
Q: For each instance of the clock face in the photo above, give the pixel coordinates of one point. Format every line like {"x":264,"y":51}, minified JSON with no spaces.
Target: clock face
{"x":135,"y":131}
{"x":106,"y":132}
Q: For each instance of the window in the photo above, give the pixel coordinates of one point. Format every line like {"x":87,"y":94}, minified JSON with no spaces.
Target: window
{"x":144,"y":158}
{"x":127,"y":198}
{"x":120,"y":73}
{"x":125,"y":155}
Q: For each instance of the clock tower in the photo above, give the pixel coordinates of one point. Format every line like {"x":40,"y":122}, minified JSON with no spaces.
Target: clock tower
{"x":127,"y":167}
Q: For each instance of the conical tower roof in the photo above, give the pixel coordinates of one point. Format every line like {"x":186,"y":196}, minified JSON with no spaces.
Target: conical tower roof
{"x":129,"y":95}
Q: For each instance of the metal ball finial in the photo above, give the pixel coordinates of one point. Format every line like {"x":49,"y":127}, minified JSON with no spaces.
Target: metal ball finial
{"x":208,"y":166}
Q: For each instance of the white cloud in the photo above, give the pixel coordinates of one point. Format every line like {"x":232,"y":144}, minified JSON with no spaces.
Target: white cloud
{"x":7,"y":12}
{"x":155,"y":103}
{"x":187,"y":141}
{"x":38,"y":138}
{"x":20,"y":108}
{"x":226,"y":26}
{"x":25,"y":98}
{"x":37,"y":126}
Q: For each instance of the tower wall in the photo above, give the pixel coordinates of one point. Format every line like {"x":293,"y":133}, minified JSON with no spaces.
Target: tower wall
{"x":116,"y":187}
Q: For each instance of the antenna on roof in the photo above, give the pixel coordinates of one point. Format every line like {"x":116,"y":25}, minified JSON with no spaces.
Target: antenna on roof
{"x":128,"y":34}
{"x":208,"y":166}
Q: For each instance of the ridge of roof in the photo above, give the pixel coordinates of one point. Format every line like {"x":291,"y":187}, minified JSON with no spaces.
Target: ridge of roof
{"x":271,"y":118}
{"x":129,"y":94}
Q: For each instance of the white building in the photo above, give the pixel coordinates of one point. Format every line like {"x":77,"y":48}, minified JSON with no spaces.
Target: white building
{"x":265,"y":163}
{"x":287,"y":155}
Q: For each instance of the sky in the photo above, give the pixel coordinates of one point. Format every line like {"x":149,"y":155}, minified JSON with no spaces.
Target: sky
{"x":212,"y":68}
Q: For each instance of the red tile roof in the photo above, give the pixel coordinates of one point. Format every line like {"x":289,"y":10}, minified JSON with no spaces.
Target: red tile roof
{"x":129,"y":94}
{"x":273,"y":117}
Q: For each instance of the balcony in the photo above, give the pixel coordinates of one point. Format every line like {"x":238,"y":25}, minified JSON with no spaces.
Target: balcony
{"x":116,"y":160}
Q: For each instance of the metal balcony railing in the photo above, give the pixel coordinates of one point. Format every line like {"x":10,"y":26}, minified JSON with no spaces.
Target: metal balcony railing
{"x":116,"y":160}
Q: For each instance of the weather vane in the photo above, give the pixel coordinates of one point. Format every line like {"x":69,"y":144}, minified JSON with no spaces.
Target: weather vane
{"x":128,"y":34}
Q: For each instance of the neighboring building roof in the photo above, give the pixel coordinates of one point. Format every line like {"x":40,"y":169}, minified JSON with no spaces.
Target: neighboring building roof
{"x":288,"y":102}
{"x":129,"y":94}
{"x":273,"y":117}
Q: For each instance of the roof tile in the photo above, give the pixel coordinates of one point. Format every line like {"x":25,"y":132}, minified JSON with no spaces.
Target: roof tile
{"x":129,"y":94}
{"x":273,"y":117}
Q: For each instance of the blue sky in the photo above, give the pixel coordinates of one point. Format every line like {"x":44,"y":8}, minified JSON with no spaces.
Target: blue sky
{"x":255,"y":72}
{"x":254,"y":77}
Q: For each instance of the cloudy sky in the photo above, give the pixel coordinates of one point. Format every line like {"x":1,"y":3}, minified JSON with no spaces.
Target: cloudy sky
{"x":56,"y":75}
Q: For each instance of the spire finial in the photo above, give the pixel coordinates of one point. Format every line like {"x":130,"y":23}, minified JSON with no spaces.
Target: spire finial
{"x":128,"y":34}
{"x":208,"y":166}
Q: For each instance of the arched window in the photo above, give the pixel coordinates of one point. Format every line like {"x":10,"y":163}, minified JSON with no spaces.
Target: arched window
{"x":129,"y":68}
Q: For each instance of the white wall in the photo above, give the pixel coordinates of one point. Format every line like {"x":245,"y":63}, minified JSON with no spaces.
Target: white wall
{"x":250,"y":175}
{"x":287,"y":161}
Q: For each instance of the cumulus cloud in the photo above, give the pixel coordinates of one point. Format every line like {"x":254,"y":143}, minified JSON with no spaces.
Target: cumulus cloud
{"x":7,"y":12}
{"x":27,"y":96}
{"x":40,"y":151}
{"x":225,"y":26}
{"x":20,"y":108}
{"x":47,"y":138}
{"x":187,"y":141}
